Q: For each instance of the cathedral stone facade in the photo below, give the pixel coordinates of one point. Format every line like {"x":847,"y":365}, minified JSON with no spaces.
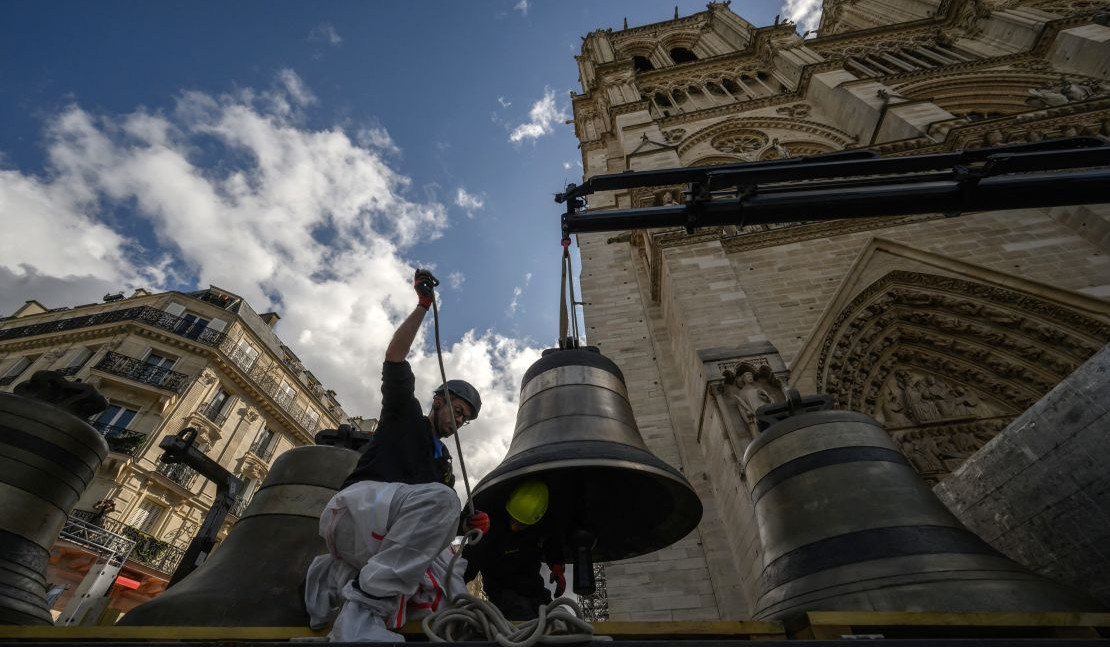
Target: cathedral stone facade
{"x":951,"y":331}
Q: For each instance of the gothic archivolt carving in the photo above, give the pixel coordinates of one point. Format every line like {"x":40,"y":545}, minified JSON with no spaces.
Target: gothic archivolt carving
{"x":922,"y":351}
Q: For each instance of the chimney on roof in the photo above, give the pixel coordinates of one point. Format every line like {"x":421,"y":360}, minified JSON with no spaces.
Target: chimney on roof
{"x":271,"y":318}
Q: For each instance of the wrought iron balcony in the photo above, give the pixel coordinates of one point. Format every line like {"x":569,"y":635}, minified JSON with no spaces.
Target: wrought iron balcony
{"x":120,"y":439}
{"x":145,"y":314}
{"x":264,"y":449}
{"x":8,"y":379}
{"x":216,"y":413}
{"x":179,"y":473}
{"x":155,"y":553}
{"x":240,"y":506}
{"x":140,"y":371}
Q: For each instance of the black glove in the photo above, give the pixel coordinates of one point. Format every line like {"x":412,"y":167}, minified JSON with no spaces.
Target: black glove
{"x":424,"y":283}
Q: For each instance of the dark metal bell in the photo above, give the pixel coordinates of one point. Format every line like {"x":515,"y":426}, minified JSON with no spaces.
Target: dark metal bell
{"x":48,"y":456}
{"x":848,"y":525}
{"x":255,"y":578}
{"x":610,"y":498}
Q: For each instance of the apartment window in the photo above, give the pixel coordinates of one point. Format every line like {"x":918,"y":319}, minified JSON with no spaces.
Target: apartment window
{"x":264,"y":445}
{"x":146,"y":515}
{"x":286,"y":394}
{"x":80,"y":358}
{"x":191,"y":325}
{"x":17,"y":369}
{"x":115,"y":415}
{"x":214,"y":410}
{"x":244,"y":355}
{"x":159,"y":360}
{"x":311,"y":418}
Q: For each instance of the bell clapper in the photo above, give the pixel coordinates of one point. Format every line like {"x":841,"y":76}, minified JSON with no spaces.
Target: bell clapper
{"x":583,"y":542}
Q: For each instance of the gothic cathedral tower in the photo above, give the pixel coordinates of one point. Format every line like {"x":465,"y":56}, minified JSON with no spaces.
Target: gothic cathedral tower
{"x":944,"y":329}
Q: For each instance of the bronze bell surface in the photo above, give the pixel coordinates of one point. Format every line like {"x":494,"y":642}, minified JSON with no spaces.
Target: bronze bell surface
{"x":48,"y":456}
{"x":848,"y":525}
{"x":610,"y":497}
{"x":255,"y":577}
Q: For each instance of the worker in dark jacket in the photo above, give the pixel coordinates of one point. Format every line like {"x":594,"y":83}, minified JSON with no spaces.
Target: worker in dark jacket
{"x":396,"y":511}
{"x":510,"y":555}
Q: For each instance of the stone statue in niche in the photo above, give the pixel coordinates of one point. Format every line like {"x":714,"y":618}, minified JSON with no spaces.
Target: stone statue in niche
{"x":745,"y":389}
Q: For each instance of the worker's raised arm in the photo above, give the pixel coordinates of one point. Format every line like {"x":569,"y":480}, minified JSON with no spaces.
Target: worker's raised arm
{"x":403,"y":337}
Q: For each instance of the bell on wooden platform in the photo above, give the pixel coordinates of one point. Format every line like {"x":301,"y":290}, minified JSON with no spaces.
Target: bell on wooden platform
{"x":256,"y":576}
{"x":848,"y":525}
{"x":48,"y":456}
{"x":610,"y":498}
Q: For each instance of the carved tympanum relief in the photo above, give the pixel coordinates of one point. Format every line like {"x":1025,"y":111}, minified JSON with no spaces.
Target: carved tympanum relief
{"x":946,"y":363}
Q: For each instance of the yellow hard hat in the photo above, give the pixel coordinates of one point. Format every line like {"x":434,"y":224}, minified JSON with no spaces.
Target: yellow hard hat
{"x":528,"y":502}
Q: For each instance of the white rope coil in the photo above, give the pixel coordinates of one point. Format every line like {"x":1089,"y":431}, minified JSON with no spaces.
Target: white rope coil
{"x":468,"y":617}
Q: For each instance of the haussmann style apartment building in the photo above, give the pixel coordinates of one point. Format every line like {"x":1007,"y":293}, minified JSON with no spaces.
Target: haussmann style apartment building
{"x":167,"y":361}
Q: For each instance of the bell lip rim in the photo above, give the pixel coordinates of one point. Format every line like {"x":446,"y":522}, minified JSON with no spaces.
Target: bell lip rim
{"x":679,"y":479}
{"x":547,"y":466}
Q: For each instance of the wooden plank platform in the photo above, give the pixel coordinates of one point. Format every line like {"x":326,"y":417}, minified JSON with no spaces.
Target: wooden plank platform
{"x":833,"y":625}
{"x":738,"y":630}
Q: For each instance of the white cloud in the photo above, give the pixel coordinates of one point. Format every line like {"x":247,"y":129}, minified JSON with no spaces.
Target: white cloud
{"x":455,"y":280}
{"x":805,"y":13}
{"x":503,"y":102}
{"x":543,"y":116}
{"x":378,"y":138}
{"x":518,"y":291}
{"x":255,"y":225}
{"x":325,"y":32}
{"x":566,"y":165}
{"x":469,"y":203}
{"x":522,"y":7}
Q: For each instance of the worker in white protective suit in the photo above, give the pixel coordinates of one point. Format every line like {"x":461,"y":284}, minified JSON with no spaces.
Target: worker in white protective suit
{"x":389,"y":529}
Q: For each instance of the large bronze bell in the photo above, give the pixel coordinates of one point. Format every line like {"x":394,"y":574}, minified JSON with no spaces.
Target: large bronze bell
{"x":847,"y":525}
{"x":610,"y":498}
{"x":48,"y":456}
{"x":255,"y":578}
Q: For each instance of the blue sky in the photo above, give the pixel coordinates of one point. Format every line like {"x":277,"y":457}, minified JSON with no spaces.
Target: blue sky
{"x":307,"y":155}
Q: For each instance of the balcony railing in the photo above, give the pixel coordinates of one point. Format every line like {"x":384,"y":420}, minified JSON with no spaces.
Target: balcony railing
{"x":179,"y":473}
{"x":145,"y":314}
{"x":264,"y":449}
{"x":120,"y":439}
{"x":155,"y":553}
{"x":240,"y":506}
{"x":8,"y":379}
{"x":268,"y":379}
{"x":217,"y":413}
{"x":140,"y":371}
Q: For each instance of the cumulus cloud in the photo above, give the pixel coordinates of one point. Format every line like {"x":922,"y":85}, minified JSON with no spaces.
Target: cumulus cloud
{"x":469,"y":202}
{"x":543,"y":116}
{"x":455,"y":280}
{"x":518,"y":291}
{"x":805,"y":13}
{"x":325,"y":32}
{"x":312,"y":223}
{"x":522,"y":7}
